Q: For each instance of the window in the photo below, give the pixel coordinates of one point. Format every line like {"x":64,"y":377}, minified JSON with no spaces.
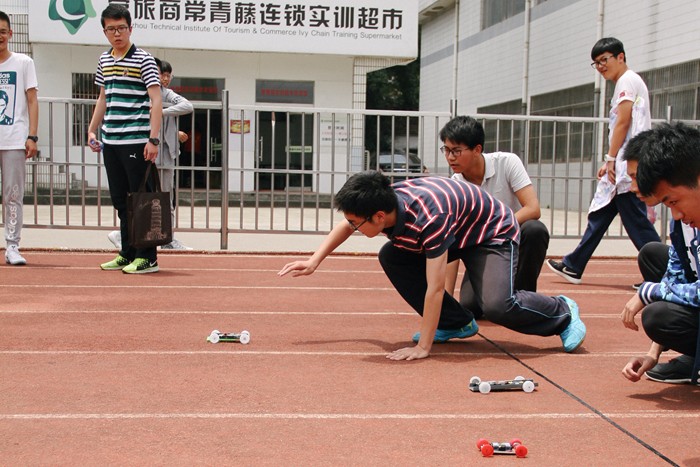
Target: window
{"x":84,"y":87}
{"x":496,"y":11}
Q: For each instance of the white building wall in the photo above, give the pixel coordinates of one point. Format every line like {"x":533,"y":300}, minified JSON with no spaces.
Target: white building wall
{"x":656,"y":34}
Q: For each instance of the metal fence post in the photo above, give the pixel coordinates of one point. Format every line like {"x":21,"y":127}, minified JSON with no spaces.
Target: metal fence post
{"x":224,"y":168}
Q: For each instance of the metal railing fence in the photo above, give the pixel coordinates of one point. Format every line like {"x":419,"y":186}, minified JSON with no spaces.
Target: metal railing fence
{"x":274,"y":169}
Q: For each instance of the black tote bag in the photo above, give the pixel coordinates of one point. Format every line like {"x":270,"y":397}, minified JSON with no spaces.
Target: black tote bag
{"x":148,"y":214}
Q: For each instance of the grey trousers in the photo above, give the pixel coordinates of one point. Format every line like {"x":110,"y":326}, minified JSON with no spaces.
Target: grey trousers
{"x":13,"y":164}
{"x":489,"y":290}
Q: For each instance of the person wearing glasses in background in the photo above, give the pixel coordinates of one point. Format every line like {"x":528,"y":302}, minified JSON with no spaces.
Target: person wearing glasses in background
{"x":629,"y":115}
{"x":430,"y":222}
{"x":503,"y":176}
{"x":129,"y":125}
{"x":174,"y":105}
{"x":19,"y":122}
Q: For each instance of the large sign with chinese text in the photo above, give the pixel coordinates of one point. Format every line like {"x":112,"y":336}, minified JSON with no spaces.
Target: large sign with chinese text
{"x":387,"y":28}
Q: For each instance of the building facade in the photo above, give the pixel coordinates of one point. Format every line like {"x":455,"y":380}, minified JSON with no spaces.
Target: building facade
{"x":293,"y":55}
{"x":533,"y":56}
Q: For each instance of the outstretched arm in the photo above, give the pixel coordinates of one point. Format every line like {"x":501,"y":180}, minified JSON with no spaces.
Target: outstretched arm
{"x":341,"y":232}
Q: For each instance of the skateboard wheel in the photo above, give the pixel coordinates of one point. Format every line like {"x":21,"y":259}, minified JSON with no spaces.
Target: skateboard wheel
{"x":215,"y":331}
{"x":213,"y":338}
{"x":481,"y":442}
{"x":487,"y":450}
{"x":520,"y":451}
{"x":515,"y":441}
{"x":245,"y":337}
{"x":518,"y":378}
{"x":484,"y":387}
{"x":528,"y":386}
{"x":474,"y":380}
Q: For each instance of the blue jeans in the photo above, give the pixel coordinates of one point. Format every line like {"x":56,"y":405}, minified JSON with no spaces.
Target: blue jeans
{"x":633,"y":214}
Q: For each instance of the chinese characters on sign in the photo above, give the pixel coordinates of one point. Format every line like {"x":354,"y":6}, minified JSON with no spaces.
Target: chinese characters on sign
{"x":266,"y":14}
{"x":368,"y":28}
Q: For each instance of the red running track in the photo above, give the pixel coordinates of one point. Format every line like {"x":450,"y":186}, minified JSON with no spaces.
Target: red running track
{"x":101,"y":368}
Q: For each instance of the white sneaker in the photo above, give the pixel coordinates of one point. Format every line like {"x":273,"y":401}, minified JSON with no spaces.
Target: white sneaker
{"x":175,"y":245}
{"x":115,"y":236}
{"x":13,"y":257}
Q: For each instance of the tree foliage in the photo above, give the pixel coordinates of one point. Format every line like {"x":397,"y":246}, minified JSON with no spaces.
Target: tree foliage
{"x":395,"y":88}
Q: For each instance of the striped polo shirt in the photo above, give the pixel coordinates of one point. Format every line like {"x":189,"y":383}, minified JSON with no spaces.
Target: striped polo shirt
{"x":437,"y":213}
{"x":126,"y":81}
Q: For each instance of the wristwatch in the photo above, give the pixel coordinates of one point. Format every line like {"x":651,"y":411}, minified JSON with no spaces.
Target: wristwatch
{"x":33,"y":138}
{"x":154,"y":141}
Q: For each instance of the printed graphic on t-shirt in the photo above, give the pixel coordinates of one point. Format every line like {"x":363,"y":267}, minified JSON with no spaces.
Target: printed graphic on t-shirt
{"x":8,"y":89}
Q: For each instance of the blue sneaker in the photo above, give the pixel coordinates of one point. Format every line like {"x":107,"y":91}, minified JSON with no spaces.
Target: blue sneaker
{"x":572,"y":337}
{"x":442,"y":335}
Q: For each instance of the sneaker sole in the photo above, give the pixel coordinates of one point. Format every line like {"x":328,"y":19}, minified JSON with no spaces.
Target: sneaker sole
{"x":669,"y":381}
{"x":416,"y":337}
{"x":573,"y":280}
{"x":16,"y":263}
{"x":112,"y":269}
{"x":143,"y":271}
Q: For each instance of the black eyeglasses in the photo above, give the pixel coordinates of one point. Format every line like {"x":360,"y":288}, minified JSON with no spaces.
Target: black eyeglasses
{"x":602,"y":62}
{"x":454,"y":151}
{"x":355,"y":228}
{"x":113,"y":30}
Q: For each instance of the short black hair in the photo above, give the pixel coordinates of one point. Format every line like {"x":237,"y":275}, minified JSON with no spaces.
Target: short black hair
{"x":115,"y":11}
{"x":608,"y":44}
{"x":668,"y":152}
{"x":463,"y":130}
{"x":159,"y":63}
{"x":365,"y":194}
{"x":634,"y":148}
{"x":165,"y":67}
{"x":4,"y":17}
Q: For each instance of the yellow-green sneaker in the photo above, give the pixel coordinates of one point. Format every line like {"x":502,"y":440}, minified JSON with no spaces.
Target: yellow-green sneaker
{"x":117,"y":264}
{"x":141,"y":266}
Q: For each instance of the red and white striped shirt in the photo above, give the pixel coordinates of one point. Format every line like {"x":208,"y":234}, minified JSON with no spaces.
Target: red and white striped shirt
{"x":437,"y":213}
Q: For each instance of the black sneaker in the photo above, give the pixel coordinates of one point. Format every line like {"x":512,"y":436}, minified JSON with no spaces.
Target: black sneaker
{"x":637,"y":285}
{"x":560,"y":270}
{"x":677,"y":371}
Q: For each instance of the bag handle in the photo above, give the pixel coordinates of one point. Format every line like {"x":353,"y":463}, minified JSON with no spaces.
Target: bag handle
{"x":154,"y":176}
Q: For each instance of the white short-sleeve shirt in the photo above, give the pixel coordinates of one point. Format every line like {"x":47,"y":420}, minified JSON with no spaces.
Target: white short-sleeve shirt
{"x":504,"y":174}
{"x":17,"y":75}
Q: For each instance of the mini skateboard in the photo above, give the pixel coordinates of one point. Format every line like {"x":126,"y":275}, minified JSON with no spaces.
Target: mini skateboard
{"x":517,"y":383}
{"x":488,"y":449}
{"x":217,"y":336}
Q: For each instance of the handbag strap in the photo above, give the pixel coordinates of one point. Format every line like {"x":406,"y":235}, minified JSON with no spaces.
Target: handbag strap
{"x":154,"y":177}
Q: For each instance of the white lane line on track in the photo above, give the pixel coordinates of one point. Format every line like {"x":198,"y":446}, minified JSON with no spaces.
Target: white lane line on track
{"x":324,"y":271}
{"x":213,"y":312}
{"x":250,"y":312}
{"x":277,"y":287}
{"x":341,"y":416}
{"x":241,"y":353}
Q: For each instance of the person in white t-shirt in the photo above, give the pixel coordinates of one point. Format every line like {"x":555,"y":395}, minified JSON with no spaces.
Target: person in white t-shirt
{"x":629,"y":115}
{"x":503,"y":176}
{"x":19,"y":122}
